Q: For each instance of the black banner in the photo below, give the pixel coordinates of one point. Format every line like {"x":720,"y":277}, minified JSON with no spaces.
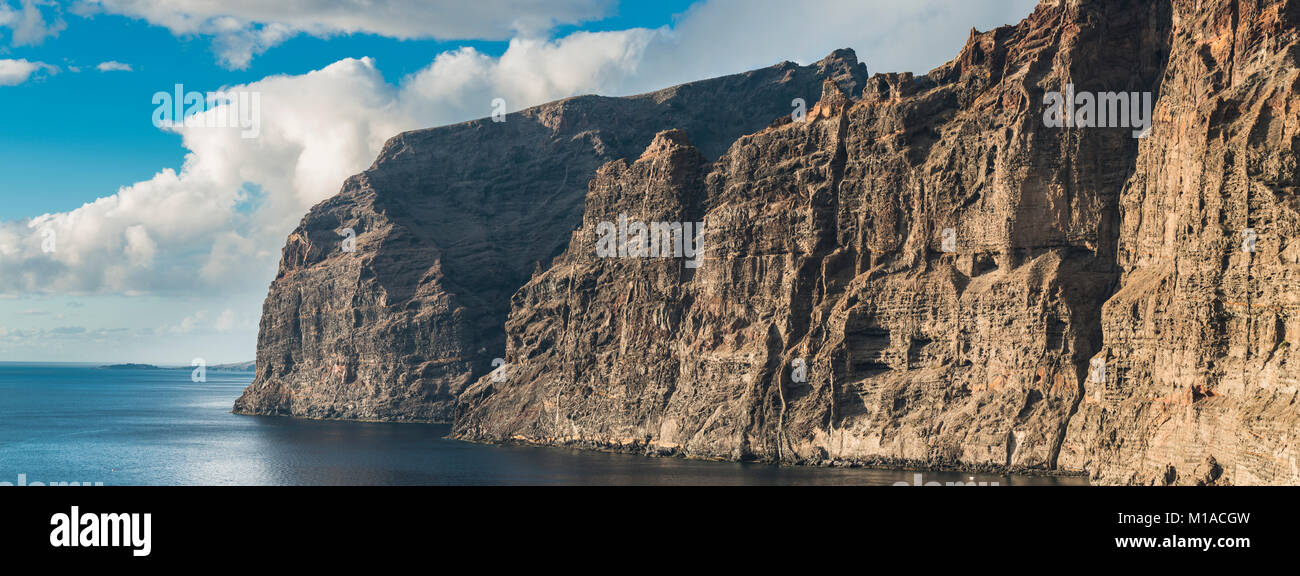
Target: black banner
{"x":173,"y":527}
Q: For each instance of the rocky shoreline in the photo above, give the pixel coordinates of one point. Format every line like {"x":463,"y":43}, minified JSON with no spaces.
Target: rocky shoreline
{"x":940,"y":271}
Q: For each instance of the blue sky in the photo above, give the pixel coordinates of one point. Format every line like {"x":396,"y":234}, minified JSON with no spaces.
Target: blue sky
{"x":168,"y":238}
{"x":61,"y":121}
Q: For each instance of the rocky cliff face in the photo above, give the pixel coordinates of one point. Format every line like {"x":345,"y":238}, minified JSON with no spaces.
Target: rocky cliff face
{"x":393,"y":322}
{"x":926,"y":271}
{"x":933,"y":274}
{"x":1200,"y":384}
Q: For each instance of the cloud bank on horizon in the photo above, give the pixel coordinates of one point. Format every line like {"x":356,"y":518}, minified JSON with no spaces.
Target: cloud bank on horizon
{"x":211,"y":232}
{"x":245,"y":28}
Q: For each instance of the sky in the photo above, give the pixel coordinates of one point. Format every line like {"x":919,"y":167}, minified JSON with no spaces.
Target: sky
{"x":127,"y":235}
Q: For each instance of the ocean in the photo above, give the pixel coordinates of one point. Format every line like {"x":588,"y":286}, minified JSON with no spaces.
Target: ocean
{"x":64,"y":423}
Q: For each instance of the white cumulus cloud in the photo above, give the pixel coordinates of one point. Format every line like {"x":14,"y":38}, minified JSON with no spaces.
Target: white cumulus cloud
{"x":219,"y":222}
{"x":243,"y":29}
{"x":113,"y":66}
{"x":217,"y":225}
{"x":15,"y":72}
{"x":211,"y":232}
{"x":27,"y":23}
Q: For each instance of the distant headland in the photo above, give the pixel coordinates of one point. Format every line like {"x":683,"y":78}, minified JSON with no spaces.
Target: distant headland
{"x":130,"y":367}
{"x":233,"y":367}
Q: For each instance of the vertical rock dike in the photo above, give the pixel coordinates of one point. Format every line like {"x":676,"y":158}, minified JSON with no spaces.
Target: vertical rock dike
{"x":924,"y":271}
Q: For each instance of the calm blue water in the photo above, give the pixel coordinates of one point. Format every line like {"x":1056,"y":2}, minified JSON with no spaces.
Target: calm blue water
{"x":62,"y":423}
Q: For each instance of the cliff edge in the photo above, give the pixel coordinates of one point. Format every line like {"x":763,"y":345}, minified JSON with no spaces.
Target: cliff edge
{"x":392,"y":296}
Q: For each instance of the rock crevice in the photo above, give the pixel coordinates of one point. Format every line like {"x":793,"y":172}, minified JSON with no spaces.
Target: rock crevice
{"x":924,"y":271}
{"x":449,"y":222}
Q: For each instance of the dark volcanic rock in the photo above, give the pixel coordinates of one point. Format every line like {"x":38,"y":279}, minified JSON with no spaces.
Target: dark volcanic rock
{"x":825,"y":250}
{"x":924,"y":272}
{"x":1200,"y":386}
{"x":449,"y":223}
